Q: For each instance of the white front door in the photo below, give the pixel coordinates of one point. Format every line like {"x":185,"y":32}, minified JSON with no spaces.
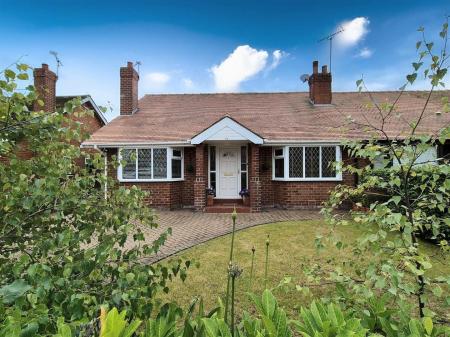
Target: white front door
{"x":228,"y":186}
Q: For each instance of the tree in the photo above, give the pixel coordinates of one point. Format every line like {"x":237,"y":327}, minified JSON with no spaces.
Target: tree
{"x":65,"y":247}
{"x":399,"y":196}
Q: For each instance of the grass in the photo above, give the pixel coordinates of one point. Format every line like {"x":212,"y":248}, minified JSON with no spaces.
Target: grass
{"x":291,"y":244}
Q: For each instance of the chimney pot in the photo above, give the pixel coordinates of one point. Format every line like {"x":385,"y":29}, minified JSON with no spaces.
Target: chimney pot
{"x":324,"y":69}
{"x":129,"y":79}
{"x":315,"y":67}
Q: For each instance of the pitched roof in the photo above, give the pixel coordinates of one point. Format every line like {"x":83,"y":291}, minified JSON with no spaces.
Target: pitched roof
{"x":60,"y":100}
{"x":273,"y":116}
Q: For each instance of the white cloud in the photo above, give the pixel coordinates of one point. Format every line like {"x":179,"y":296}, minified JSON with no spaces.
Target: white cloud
{"x":354,"y":31}
{"x":365,"y":53}
{"x":243,"y":63}
{"x":277,"y":55}
{"x":156,"y":80}
{"x":187,"y":83}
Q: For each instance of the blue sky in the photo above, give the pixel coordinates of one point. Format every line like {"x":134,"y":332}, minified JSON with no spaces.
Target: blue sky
{"x":211,"y":46}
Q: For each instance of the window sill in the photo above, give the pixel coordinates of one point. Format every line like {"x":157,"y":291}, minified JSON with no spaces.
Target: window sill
{"x":307,"y":179}
{"x":150,"y":180}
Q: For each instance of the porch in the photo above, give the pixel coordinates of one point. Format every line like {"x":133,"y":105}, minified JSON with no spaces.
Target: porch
{"x":227,"y":169}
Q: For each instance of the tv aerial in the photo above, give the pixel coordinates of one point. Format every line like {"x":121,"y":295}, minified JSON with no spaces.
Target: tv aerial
{"x":330,"y":38}
{"x":138,"y":65}
{"x":58,"y":61}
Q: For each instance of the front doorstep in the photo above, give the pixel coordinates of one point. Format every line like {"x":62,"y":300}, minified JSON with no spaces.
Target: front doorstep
{"x":227,"y":206}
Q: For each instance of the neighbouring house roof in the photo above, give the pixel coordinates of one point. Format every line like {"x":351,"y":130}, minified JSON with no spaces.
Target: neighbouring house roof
{"x":275,"y":117}
{"x":60,"y":100}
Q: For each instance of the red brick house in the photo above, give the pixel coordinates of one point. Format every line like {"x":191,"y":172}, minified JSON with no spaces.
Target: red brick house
{"x":276,"y":145}
{"x":45,"y":85}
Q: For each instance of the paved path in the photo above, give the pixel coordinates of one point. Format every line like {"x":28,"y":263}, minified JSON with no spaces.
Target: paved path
{"x":191,"y":228}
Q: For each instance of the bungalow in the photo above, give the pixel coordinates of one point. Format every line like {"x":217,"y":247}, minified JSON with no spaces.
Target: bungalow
{"x":276,"y":146}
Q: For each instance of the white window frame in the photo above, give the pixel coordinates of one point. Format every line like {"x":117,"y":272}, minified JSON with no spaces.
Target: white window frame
{"x":168,"y":163}
{"x":285,"y":156}
{"x":246,"y":167}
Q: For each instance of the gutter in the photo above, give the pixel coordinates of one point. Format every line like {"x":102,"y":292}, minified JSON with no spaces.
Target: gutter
{"x":270,"y":142}
{"x":87,"y":145}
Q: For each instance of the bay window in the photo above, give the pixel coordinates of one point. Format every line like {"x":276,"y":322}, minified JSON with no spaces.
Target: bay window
{"x":309,"y":163}
{"x":150,"y":164}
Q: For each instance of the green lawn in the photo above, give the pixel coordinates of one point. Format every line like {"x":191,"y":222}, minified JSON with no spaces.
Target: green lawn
{"x":291,"y":244}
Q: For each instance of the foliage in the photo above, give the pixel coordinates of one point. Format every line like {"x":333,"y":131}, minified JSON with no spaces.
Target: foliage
{"x":317,"y":320}
{"x":66,"y":245}
{"x":328,"y":321}
{"x":391,"y":257}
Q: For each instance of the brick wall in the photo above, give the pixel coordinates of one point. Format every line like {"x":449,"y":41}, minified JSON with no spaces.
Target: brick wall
{"x":296,"y":194}
{"x":45,"y":85}
{"x":129,"y":79}
{"x":165,"y":195}
{"x":320,"y":85}
{"x":255,"y":188}
{"x":201,"y":179}
{"x":191,"y":191}
{"x":90,"y":124}
{"x":189,"y":177}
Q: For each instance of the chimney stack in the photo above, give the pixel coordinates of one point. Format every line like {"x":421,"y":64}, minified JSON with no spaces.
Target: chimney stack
{"x":129,"y":79}
{"x":45,"y":86}
{"x":320,"y":85}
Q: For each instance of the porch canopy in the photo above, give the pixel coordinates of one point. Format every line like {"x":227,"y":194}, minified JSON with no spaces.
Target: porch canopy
{"x":227,"y":129}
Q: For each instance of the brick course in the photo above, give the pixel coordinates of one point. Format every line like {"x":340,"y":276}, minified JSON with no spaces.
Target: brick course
{"x":264,"y":192}
{"x":45,"y":85}
{"x":296,"y":194}
{"x":320,"y":85}
{"x":128,"y":89}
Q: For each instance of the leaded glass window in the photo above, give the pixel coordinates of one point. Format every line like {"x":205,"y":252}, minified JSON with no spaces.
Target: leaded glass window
{"x":144,"y":163}
{"x":312,"y":162}
{"x":151,"y":164}
{"x":129,"y":169}
{"x":159,"y":163}
{"x":296,"y":162}
{"x":306,"y":162}
{"x":328,"y":159}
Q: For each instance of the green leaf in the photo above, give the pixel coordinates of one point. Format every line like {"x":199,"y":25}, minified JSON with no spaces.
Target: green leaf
{"x":13,"y":291}
{"x":411,"y":78}
{"x":428,"y":325}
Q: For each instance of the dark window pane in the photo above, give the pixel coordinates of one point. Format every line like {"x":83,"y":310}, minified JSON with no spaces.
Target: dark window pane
{"x":159,"y":163}
{"x":144,"y":163}
{"x":212,"y":180}
{"x":328,"y":158}
{"x":312,"y":162}
{"x":243,"y":180}
{"x":176,"y":168}
{"x":279,"y":168}
{"x":278,"y":152}
{"x":176,"y":153}
{"x":243,"y":155}
{"x":129,"y":169}
{"x":296,"y":162}
{"x":212,"y":158}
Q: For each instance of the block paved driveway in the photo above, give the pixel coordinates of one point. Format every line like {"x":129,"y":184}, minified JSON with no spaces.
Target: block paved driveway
{"x":192,"y":228}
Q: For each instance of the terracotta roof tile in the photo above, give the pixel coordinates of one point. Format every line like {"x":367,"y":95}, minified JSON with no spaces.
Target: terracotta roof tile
{"x":273,"y":116}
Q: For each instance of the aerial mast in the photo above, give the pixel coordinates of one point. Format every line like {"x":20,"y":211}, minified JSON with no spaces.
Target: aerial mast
{"x":330,"y":38}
